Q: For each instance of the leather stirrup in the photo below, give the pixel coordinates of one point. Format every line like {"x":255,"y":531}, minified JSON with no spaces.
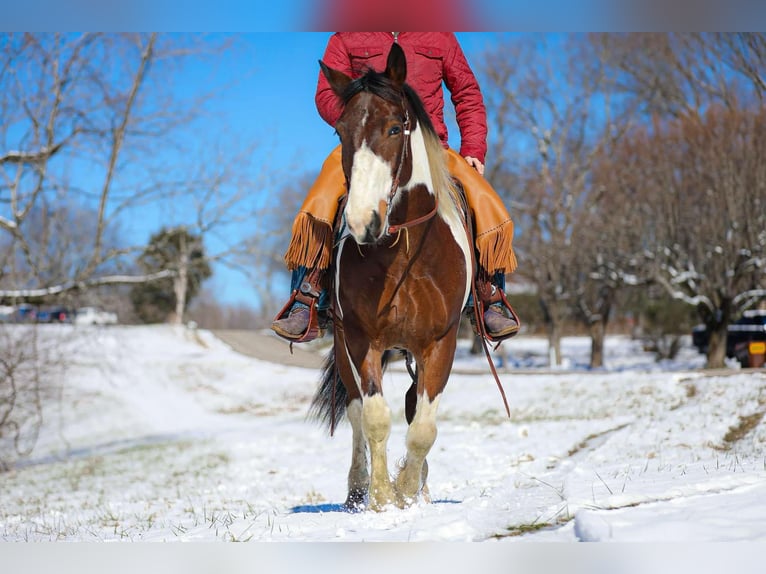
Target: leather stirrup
{"x":487,"y":295}
{"x":307,"y":294}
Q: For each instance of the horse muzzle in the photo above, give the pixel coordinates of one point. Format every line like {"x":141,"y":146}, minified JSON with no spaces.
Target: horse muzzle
{"x":368,"y":232}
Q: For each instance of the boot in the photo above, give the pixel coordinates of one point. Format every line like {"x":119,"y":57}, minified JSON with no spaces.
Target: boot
{"x":295,"y":324}
{"x":500,"y":321}
{"x":299,"y":321}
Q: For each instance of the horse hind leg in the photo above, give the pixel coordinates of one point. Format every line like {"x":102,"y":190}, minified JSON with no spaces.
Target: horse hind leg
{"x":376,"y":423}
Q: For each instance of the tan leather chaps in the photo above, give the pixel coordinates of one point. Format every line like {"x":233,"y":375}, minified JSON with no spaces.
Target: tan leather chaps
{"x":312,"y":234}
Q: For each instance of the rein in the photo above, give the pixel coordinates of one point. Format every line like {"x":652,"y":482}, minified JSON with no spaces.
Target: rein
{"x":392,"y":229}
{"x":478,"y":309}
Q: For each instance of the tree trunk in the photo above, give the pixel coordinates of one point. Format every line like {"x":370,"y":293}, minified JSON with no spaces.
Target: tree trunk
{"x":716,"y":351}
{"x":181,"y":282}
{"x":554,"y":345}
{"x":597,"y":334}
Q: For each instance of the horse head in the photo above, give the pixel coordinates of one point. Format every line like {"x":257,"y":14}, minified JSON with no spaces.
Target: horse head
{"x":374,"y":131}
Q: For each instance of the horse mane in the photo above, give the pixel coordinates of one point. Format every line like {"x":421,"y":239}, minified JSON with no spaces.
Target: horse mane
{"x":378,"y":84}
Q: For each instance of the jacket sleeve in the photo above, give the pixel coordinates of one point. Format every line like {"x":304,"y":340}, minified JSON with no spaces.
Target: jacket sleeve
{"x":328,"y":103}
{"x":471,"y":115}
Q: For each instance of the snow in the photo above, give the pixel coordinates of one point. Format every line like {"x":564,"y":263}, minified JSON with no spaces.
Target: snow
{"x":166,"y":434}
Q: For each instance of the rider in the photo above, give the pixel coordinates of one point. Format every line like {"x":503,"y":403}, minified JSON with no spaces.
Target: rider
{"x":432,"y":58}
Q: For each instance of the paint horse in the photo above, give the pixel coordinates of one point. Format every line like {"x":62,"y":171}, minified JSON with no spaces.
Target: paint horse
{"x":401,"y":278}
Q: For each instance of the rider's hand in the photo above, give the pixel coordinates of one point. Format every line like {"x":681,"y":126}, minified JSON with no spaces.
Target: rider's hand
{"x":475,"y":163}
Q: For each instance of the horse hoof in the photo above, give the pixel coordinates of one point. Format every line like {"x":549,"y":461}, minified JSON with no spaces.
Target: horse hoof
{"x":379,"y":500}
{"x":356,"y":501}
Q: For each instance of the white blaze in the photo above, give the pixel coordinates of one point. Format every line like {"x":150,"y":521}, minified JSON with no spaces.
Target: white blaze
{"x":370,"y":183}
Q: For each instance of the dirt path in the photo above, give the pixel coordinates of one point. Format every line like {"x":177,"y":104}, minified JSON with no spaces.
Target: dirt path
{"x":268,"y":347}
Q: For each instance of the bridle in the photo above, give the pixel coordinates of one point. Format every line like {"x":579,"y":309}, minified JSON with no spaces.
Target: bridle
{"x":392,"y":229}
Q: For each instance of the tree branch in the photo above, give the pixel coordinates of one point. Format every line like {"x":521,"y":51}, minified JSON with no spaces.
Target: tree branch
{"x":9,"y":295}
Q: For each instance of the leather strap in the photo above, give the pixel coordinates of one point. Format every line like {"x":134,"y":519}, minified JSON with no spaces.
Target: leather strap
{"x":307,"y":294}
{"x":478,"y":308}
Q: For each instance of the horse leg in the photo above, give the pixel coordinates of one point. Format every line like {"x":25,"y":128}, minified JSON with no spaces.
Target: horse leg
{"x":410,"y":405}
{"x":376,"y":422}
{"x":358,"y":475}
{"x":376,"y":426}
{"x":433,"y":371}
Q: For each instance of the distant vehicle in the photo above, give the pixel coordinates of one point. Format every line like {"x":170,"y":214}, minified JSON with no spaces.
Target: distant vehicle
{"x":55,"y":315}
{"x":94,"y":316}
{"x":751,"y":327}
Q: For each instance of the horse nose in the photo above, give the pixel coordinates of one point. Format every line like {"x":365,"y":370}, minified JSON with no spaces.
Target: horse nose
{"x":365,"y":232}
{"x":372,"y":230}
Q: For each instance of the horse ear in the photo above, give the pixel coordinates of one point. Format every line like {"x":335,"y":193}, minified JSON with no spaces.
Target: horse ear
{"x":338,"y":80}
{"x":396,"y":66}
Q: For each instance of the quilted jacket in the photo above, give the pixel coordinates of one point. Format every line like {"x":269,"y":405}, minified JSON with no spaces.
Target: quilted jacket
{"x":432,"y":58}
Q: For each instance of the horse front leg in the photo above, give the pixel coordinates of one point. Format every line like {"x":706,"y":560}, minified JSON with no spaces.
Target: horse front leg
{"x":433,"y":371}
{"x":410,"y":406}
{"x":358,"y":473}
{"x":376,"y":426}
{"x":376,"y":422}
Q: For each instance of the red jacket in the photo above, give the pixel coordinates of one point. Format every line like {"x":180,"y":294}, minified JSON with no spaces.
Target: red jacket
{"x":432,"y":58}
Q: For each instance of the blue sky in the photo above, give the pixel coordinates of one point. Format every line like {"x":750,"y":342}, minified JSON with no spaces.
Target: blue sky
{"x":270,"y":81}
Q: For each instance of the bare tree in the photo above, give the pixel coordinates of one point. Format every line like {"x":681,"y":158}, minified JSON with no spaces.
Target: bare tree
{"x":697,"y":175}
{"x":553,"y":120}
{"x":93,"y":131}
{"x":743,"y":52}
{"x":91,"y":120}
{"x":675,"y":75}
{"x":703,"y":183}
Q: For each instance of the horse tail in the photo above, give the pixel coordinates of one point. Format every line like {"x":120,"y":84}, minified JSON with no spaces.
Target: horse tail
{"x":329,"y":403}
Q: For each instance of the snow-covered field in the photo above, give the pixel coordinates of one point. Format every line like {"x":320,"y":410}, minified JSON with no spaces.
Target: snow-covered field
{"x":162,"y":434}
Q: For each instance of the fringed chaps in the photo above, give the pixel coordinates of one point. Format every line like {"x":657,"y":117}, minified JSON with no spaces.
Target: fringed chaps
{"x":493,"y":225}
{"x":312,"y":235}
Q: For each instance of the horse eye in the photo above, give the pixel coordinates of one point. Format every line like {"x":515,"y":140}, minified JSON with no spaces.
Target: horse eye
{"x":396,"y":130}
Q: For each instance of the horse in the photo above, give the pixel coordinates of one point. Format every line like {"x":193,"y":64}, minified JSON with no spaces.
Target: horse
{"x":401,"y":276}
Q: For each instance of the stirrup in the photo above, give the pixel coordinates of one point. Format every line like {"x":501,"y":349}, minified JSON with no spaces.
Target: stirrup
{"x":313,"y":330}
{"x":481,"y":304}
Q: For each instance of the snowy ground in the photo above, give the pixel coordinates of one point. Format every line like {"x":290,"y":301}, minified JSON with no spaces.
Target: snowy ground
{"x":161,"y":434}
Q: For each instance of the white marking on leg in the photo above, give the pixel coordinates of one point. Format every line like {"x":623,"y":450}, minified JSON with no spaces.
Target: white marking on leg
{"x":358,"y":476}
{"x":421,"y":436}
{"x":376,"y":423}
